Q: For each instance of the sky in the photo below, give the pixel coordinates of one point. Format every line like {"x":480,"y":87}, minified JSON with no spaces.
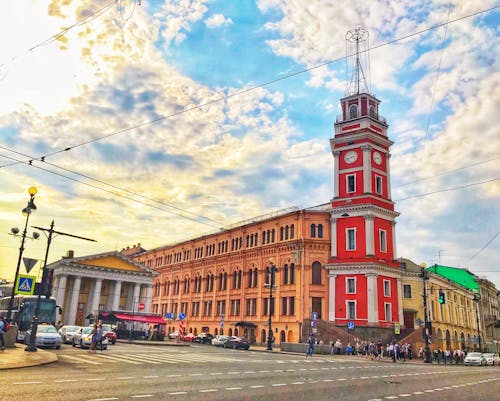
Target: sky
{"x":157,"y":121}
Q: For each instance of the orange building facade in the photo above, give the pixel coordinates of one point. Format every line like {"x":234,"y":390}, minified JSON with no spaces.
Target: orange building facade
{"x":218,"y":281}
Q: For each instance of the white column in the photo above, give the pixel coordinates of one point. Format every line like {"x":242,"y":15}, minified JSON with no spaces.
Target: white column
{"x":372,"y":298}
{"x":400,"y":300}
{"x":388,"y":171}
{"x":333,"y":240}
{"x":367,"y":170}
{"x":331,"y":298}
{"x":336,"y":182}
{"x":97,"y":296}
{"x":149,"y":299}
{"x":394,"y":250}
{"x":75,"y":295}
{"x":369,"y":235}
{"x":116,"y":295}
{"x":60,"y":290}
{"x":135,"y":297}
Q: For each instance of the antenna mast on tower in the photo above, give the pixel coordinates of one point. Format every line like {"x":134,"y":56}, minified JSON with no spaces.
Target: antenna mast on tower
{"x":358,"y":61}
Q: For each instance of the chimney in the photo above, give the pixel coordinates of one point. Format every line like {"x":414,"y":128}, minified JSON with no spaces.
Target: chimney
{"x":70,"y":254}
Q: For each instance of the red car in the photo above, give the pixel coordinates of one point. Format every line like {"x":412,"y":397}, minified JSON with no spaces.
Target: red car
{"x":109,"y":333}
{"x":189,"y":337}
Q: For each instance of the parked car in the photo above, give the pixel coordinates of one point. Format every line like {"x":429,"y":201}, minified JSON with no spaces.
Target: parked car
{"x":490,"y":358}
{"x":237,"y":343}
{"x":83,"y":338}
{"x":188,"y":337}
{"x":204,"y":338}
{"x":219,"y":340}
{"x":67,"y":332}
{"x":173,"y":335}
{"x":46,"y":336}
{"x":496,"y":360}
{"x":109,"y":333}
{"x":475,"y":358}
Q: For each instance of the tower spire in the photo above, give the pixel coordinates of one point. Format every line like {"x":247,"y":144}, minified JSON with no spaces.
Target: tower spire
{"x":358,"y":62}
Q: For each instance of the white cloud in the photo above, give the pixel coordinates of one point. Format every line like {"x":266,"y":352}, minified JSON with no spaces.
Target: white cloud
{"x":217,"y":20}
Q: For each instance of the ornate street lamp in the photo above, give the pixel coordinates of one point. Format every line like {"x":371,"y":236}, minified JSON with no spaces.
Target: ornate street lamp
{"x":30,"y":208}
{"x":270,"y":270}
{"x":427,"y":324}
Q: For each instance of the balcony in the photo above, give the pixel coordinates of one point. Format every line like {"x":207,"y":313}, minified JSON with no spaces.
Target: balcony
{"x":376,"y":117}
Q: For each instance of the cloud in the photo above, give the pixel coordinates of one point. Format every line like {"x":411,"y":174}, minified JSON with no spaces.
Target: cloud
{"x":217,"y":20}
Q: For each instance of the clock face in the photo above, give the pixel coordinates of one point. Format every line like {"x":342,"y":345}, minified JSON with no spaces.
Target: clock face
{"x":350,"y":157}
{"x":377,"y":157}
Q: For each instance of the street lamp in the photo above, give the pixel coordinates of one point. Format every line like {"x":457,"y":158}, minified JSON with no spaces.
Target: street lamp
{"x":427,"y":350}
{"x":30,"y":207}
{"x":477,"y":298}
{"x":270,"y":270}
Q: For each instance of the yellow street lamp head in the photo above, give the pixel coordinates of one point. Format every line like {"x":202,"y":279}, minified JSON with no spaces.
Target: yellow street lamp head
{"x":32,"y":191}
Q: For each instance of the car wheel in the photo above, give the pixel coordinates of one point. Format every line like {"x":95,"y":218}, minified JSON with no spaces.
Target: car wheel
{"x":73,"y":343}
{"x":81,"y":344}
{"x":234,"y":346}
{"x":58,"y":347}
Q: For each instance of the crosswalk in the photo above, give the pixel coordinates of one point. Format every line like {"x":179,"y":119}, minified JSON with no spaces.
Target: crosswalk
{"x":158,"y":358}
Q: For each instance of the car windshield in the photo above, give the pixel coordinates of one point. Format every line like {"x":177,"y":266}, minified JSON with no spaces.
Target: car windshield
{"x":71,"y":328}
{"x":474,"y":354}
{"x":489,"y":355}
{"x":87,"y":330}
{"x":107,"y":327}
{"x":46,"y":329}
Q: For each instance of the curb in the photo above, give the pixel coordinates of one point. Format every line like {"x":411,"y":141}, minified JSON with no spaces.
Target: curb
{"x":22,"y":359}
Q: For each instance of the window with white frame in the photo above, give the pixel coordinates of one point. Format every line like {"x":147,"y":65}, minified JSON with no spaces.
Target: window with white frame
{"x":378,"y":184}
{"x":351,"y":183}
{"x":350,"y":285}
{"x":387,"y":288}
{"x":388,"y":311}
{"x":351,"y":309}
{"x":383,"y":241}
{"x":351,"y":239}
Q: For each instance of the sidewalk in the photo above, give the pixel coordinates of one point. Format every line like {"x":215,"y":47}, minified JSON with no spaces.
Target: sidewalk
{"x":14,"y":358}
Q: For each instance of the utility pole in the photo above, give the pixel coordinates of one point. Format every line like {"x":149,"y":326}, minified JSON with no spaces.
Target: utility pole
{"x":427,"y":325}
{"x":46,"y":285}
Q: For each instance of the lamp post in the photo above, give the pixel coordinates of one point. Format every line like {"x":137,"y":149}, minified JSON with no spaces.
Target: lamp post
{"x":30,"y":207}
{"x":477,"y":298}
{"x":427,"y":350}
{"x":271,"y":270}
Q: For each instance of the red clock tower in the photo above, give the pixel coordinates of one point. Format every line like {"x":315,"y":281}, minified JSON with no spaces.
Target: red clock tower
{"x":364,"y":278}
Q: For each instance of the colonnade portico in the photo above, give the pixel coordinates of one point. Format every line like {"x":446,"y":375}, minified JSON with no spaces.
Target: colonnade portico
{"x":106,"y":282}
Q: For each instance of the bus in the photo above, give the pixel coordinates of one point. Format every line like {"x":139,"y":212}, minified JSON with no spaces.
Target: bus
{"x":23,"y":309}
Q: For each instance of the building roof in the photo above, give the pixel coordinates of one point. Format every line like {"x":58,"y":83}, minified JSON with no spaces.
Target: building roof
{"x":462,"y":277}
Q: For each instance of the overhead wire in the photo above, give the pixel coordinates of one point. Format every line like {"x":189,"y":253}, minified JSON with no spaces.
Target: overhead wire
{"x":483,"y":248}
{"x":252,"y":88}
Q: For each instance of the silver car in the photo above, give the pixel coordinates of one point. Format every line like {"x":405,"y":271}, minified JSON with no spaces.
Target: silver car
{"x":46,"y":336}
{"x":475,"y":358}
{"x":67,"y":332}
{"x":83,"y":338}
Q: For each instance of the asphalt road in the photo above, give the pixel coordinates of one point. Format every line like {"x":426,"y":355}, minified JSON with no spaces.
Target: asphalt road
{"x":135,"y":372}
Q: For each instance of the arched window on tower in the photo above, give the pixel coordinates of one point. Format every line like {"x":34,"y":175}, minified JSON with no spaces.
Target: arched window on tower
{"x":286,"y":232}
{"x":291,"y":274}
{"x":285,"y":274}
{"x":313,"y":230}
{"x":316,"y":273}
{"x":320,"y":230}
{"x":353,"y":111}
{"x":282,"y":232}
{"x":292,"y":231}
{"x":372,"y":111}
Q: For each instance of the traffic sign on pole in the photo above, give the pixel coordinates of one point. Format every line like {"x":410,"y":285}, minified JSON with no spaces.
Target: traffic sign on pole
{"x":25,"y":284}
{"x":182,"y":316}
{"x":350,"y":325}
{"x":141,"y":306}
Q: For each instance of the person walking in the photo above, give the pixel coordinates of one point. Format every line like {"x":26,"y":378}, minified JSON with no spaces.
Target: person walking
{"x":93,"y":339}
{"x":2,"y":331}
{"x":100,"y":336}
{"x":310,"y":346}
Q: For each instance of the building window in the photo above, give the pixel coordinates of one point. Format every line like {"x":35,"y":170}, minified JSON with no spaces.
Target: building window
{"x":351,"y":239}
{"x":406,"y":290}
{"x":292,"y":231}
{"x":320,"y":230}
{"x":388,"y":311}
{"x":316,"y":273}
{"x":292,"y":274}
{"x":378,"y":185}
{"x":291,"y":309}
{"x":353,"y":111}
{"x":284,"y":304}
{"x":383,"y":241}
{"x":313,"y":230}
{"x":372,"y":111}
{"x":387,"y":288}
{"x":350,"y":285}
{"x":351,"y":309}
{"x":285,"y":274}
{"x":316,"y":306}
{"x":351,"y":183}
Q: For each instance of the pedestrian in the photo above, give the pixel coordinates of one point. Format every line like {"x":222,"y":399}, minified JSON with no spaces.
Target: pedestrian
{"x":100,"y":336}
{"x":93,"y":339}
{"x":2,"y":331}
{"x":331,"y":347}
{"x":310,"y":346}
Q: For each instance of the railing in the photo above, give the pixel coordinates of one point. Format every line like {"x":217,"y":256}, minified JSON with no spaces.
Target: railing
{"x":377,"y":117}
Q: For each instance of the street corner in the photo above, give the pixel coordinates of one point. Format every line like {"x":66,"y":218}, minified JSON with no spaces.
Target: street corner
{"x":17,"y":357}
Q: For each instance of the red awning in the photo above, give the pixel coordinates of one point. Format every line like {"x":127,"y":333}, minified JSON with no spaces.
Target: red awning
{"x":133,"y":318}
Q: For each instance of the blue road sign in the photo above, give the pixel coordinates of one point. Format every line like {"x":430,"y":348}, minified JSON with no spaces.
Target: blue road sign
{"x":182,"y":316}
{"x":350,"y":325}
{"x":168,"y":315}
{"x":25,"y":284}
{"x":314,"y":316}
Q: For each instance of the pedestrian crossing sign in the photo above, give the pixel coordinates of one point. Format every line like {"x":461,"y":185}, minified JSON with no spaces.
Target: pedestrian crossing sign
{"x":25,"y":284}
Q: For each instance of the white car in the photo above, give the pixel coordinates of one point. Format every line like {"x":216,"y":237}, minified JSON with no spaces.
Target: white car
{"x":490,"y":358}
{"x":83,"y":338}
{"x":46,"y":336}
{"x":475,"y":358}
{"x":173,"y":335}
{"x":67,"y":332}
{"x":219,"y":340}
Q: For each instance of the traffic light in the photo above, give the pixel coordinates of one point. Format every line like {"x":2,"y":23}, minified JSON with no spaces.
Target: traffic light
{"x":441,"y":297}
